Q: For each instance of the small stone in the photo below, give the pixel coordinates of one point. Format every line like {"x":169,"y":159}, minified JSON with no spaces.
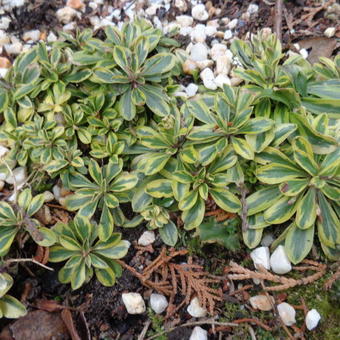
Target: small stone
{"x":76,"y":4}
{"x":218,"y":50}
{"x":64,"y":192}
{"x":191,"y":90}
{"x":51,"y":37}
{"x":253,"y":8}
{"x":198,"y":34}
{"x":14,"y":48}
{"x":210,"y":30}
{"x":204,"y":64}
{"x":4,"y":23}
{"x":56,"y":191}
{"x":312,"y":319}
{"x":4,"y":63}
{"x":199,"y":334}
{"x":221,"y":80}
{"x":33,"y":35}
{"x":3,"y":149}
{"x":151,"y":11}
{"x":185,"y":30}
{"x":232,"y":24}
{"x":329,"y":32}
{"x":261,"y":302}
{"x":43,"y":36}
{"x":228,"y":34}
{"x":223,"y":64}
{"x":134,"y":303}
{"x":181,"y":5}
{"x":189,"y":66}
{"x":267,"y":240}
{"x":184,"y":20}
{"x":260,"y":257}
{"x":304,"y":53}
{"x":158,"y":303}
{"x":44,"y":215}
{"x":4,"y":38}
{"x":70,"y":27}
{"x":266,"y":32}
{"x":2,"y":184}
{"x":208,"y":79}
{"x":19,"y":174}
{"x":48,"y":196}
{"x":66,"y":14}
{"x":195,"y":309}
{"x":199,"y":13}
{"x":287,"y":313}
{"x":279,"y":261}
{"x":147,"y":238}
{"x":199,"y":52}
{"x":213,"y":23}
{"x":235,"y":81}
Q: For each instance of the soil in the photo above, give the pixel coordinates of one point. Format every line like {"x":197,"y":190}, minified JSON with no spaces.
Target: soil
{"x":105,"y":314}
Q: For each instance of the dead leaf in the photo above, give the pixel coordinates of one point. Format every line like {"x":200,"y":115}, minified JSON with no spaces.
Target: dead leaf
{"x":321,"y":47}
{"x":39,"y":325}
{"x":48,"y":305}
{"x":66,"y":315}
{"x":42,"y":254}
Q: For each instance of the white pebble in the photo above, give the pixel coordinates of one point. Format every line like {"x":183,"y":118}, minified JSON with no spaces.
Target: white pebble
{"x":221,"y":80}
{"x":19,"y":174}
{"x":279,"y":261}
{"x":204,"y":64}
{"x":51,"y":37}
{"x":199,"y":52}
{"x":181,"y":5}
{"x":208,"y":79}
{"x":48,"y":196}
{"x":148,"y":237}
{"x":267,"y":240}
{"x":191,"y":90}
{"x":199,"y":334}
{"x":158,"y":303}
{"x":134,"y":303}
{"x":210,"y":30}
{"x":198,"y":34}
{"x":199,"y":13}
{"x":223,"y":64}
{"x":261,"y":302}
{"x":4,"y":23}
{"x":287,"y":313}
{"x":218,"y":50}
{"x":329,"y":32}
{"x":312,"y":319}
{"x":184,"y":20}
{"x":195,"y":309}
{"x":33,"y":35}
{"x":260,"y":257}
{"x":14,"y":48}
{"x":232,"y":24}
{"x":228,"y":34}
{"x":4,"y":38}
{"x":185,"y":30}
{"x":56,"y":192}
{"x":304,"y":53}
{"x":66,"y":14}
{"x":252,"y":9}
{"x":3,"y":151}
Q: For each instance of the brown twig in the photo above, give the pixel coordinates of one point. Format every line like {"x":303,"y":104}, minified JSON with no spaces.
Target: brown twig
{"x":278,"y":19}
{"x":256,"y":321}
{"x":9,"y":261}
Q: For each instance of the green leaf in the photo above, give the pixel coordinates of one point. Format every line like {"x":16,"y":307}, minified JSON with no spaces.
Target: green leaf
{"x":262,"y":199}
{"x":298,"y":243}
{"x":281,"y":211}
{"x":156,"y":99}
{"x":193,"y":217}
{"x":159,"y":63}
{"x":252,"y":237}
{"x":59,"y":254}
{"x":153,"y":163}
{"x":169,"y":234}
{"x":225,"y":199}
{"x":294,"y":186}
{"x":255,"y":126}
{"x":106,"y":276}
{"x":126,"y":107}
{"x":242,"y":147}
{"x":125,"y":181}
{"x":306,"y":210}
{"x":36,"y":203}
{"x":11,"y":308}
{"x":188,"y":201}
{"x":159,"y":188}
{"x":112,"y":249}
{"x":278,"y":173}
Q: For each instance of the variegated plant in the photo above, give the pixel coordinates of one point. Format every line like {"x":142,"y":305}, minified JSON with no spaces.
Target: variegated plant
{"x":78,"y":243}
{"x":303,"y":185}
{"x":107,"y":188}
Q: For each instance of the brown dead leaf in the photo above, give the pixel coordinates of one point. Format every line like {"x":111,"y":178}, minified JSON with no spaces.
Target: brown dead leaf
{"x":66,"y":315}
{"x":39,"y":325}
{"x":321,"y":47}
{"x":48,"y":305}
{"x":42,"y":254}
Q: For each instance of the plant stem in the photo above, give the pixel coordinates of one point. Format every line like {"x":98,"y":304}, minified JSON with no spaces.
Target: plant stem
{"x":7,"y":262}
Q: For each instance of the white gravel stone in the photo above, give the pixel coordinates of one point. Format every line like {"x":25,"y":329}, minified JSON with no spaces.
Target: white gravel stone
{"x":3,"y":151}
{"x":56,"y":192}
{"x":158,"y":303}
{"x":232,"y":24}
{"x":199,"y":13}
{"x":4,"y":38}
{"x":66,"y":14}
{"x":260,"y":256}
{"x":198,"y":34}
{"x":3,"y":72}
{"x":184,"y":20}
{"x":210,"y":30}
{"x":4,"y":22}
{"x":204,"y":64}
{"x":287,"y":313}
{"x":19,"y":174}
{"x":48,"y":196}
{"x":151,"y":11}
{"x":33,"y":35}
{"x":208,"y":79}
{"x":199,"y":334}
{"x":51,"y":37}
{"x":185,"y":30}
{"x":148,"y":237}
{"x":3,"y":176}
{"x":218,"y":50}
{"x":191,"y":90}
{"x":181,"y":5}
{"x":329,"y":32}
{"x":267,"y":240}
{"x":279,"y":261}
{"x":221,"y":80}
{"x":304,"y":53}
{"x":228,"y":34}
{"x":14,"y":48}
{"x":223,"y":65}
{"x":261,"y":302}
{"x":199,"y":52}
{"x":253,"y":8}
{"x":312,"y":319}
{"x":195,"y":309}
{"x":134,"y":303}
{"x":189,"y":66}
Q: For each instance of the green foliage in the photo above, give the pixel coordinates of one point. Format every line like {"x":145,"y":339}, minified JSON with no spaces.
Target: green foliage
{"x":10,"y":307}
{"x":78,"y":243}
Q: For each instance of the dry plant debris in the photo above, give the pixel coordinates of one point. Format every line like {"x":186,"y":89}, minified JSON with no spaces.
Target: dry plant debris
{"x":187,"y":279}
{"x":237,"y":272}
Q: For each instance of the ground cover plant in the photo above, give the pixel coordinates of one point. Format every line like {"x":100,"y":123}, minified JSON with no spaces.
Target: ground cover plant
{"x":100,"y":117}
